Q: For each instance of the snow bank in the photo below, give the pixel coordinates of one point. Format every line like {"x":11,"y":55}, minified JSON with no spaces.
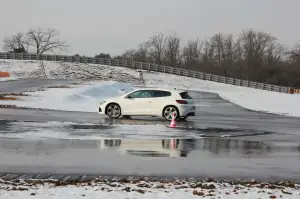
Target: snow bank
{"x":249,"y":98}
{"x":87,"y":97}
{"x":143,"y":189}
{"x":83,"y":98}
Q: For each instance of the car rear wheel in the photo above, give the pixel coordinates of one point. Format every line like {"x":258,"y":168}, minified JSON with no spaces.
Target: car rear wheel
{"x":168,"y":112}
{"x":113,"y":111}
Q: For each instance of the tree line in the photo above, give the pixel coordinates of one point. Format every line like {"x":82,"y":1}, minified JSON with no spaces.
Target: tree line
{"x":252,"y":55}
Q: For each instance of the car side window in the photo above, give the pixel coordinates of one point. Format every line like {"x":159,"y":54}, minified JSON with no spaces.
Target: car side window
{"x":141,"y":94}
{"x":162,"y":94}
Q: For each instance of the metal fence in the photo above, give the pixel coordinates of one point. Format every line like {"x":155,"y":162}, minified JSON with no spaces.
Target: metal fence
{"x":149,"y":67}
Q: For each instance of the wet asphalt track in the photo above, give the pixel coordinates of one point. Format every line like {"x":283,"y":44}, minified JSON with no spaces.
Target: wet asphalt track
{"x":85,"y":157}
{"x":207,"y":157}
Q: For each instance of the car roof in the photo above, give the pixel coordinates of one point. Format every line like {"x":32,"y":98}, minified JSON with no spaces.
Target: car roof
{"x":174,"y":90}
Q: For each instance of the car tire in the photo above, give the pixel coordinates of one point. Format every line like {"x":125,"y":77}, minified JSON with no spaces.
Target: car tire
{"x":113,"y":111}
{"x":167,"y":112}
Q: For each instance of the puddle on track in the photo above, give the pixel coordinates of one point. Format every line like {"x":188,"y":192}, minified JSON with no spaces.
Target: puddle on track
{"x":57,"y":130}
{"x":218,"y":158}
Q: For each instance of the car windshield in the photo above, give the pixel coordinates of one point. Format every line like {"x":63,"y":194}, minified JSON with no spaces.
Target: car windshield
{"x":185,"y":95}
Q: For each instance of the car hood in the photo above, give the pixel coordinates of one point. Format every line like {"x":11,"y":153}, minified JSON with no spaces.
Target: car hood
{"x":112,"y":98}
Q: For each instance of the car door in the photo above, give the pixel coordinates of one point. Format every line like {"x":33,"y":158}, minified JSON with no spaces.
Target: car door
{"x":160,"y":100}
{"x":137,"y":103}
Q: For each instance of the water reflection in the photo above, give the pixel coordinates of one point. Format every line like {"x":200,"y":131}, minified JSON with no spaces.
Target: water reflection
{"x":183,"y":147}
{"x":174,"y":148}
{"x":150,"y":148}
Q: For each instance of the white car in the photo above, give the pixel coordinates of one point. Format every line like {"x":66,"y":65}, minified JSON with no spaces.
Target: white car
{"x":150,"y":102}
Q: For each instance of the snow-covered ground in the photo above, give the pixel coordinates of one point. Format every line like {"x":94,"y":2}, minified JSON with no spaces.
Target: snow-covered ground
{"x":7,"y":78}
{"x":84,"y":98}
{"x":87,"y":97}
{"x":126,"y":189}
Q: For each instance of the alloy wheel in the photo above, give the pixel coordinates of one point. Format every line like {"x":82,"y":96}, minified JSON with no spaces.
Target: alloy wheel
{"x":168,"y":112}
{"x":114,"y":111}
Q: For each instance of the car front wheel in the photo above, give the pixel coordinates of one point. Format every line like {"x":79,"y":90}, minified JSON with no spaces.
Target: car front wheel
{"x":113,"y":111}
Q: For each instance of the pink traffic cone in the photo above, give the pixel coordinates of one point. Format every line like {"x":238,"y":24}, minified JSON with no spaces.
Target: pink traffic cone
{"x":173,"y":122}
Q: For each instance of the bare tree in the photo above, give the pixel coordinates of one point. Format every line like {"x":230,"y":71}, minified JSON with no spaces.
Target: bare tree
{"x":208,"y":54}
{"x":218,"y":47}
{"x":157,"y":44}
{"x":191,"y":53}
{"x":172,"y":50}
{"x":129,"y":54}
{"x":275,"y":53}
{"x":294,"y":54}
{"x":15,"y":43}
{"x":255,"y":46}
{"x":45,"y":40}
{"x":141,"y":54}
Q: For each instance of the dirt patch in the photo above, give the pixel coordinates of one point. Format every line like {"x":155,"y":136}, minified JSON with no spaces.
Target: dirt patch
{"x":3,"y":97}
{"x":8,"y":106}
{"x":16,"y":94}
{"x":20,"y":107}
{"x":62,"y":86}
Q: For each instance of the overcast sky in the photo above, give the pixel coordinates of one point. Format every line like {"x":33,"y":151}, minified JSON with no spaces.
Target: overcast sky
{"x":112,"y":26}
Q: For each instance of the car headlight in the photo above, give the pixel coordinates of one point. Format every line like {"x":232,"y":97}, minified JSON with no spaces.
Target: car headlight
{"x":101,"y":103}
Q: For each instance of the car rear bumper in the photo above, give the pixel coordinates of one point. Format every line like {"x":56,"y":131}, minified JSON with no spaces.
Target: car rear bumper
{"x":187,"y":111}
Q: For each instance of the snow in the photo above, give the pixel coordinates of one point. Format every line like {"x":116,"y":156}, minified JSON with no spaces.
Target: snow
{"x":86,"y":98}
{"x":83,"y":98}
{"x":142,"y":189}
{"x":7,"y":78}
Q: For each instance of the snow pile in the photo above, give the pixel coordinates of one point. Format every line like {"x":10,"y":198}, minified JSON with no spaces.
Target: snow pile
{"x":145,"y":189}
{"x":83,"y":98}
{"x":61,"y":70}
{"x":60,"y":99}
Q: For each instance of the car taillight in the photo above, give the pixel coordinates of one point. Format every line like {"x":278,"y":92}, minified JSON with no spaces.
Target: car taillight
{"x":181,"y":102}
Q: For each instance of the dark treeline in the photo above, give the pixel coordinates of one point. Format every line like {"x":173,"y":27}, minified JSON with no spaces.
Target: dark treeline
{"x":253,"y":55}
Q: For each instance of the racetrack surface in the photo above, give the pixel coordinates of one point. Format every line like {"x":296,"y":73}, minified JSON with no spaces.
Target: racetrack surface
{"x":21,"y":85}
{"x":44,"y":147}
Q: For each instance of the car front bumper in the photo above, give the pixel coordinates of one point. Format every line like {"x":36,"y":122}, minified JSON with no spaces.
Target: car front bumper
{"x":101,"y":109}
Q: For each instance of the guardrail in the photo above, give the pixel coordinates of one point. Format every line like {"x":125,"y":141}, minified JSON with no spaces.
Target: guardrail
{"x":149,"y":67}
